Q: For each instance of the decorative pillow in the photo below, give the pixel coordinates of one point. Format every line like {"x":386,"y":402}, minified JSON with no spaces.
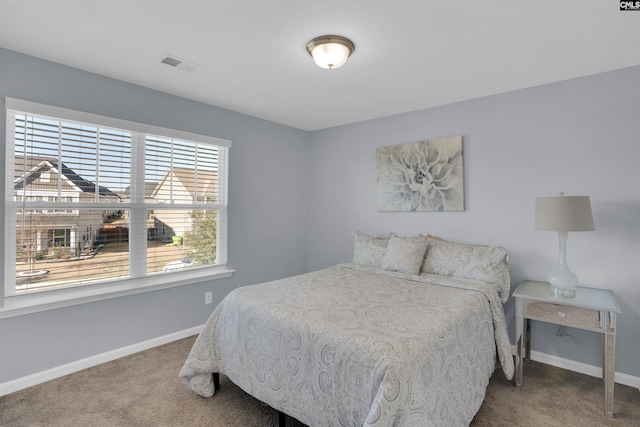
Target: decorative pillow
{"x":405,"y":254}
{"x":368,"y":249}
{"x":480,"y":262}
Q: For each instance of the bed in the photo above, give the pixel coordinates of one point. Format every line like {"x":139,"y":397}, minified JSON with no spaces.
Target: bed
{"x":402,"y":336}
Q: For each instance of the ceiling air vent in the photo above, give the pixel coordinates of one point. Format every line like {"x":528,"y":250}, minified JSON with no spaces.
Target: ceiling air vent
{"x":178,"y":63}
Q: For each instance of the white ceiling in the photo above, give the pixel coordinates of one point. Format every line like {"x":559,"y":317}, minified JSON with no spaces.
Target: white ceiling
{"x":409,"y":54}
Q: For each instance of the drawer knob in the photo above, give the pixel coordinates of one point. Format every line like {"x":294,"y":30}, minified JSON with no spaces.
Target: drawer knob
{"x":561,"y":313}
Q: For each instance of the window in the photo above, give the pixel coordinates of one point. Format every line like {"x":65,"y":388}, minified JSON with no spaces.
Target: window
{"x":92,"y":200}
{"x":61,"y":237}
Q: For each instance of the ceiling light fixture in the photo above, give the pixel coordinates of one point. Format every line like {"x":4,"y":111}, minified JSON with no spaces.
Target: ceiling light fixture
{"x":330,"y":51}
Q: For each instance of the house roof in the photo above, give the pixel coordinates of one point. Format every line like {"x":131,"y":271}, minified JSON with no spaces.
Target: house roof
{"x":207,"y":181}
{"x":35,"y":167}
{"x":149,"y":188}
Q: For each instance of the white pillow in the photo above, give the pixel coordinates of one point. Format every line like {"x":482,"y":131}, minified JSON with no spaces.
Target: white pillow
{"x":480,"y":262}
{"x":368,"y":249}
{"x":405,"y":254}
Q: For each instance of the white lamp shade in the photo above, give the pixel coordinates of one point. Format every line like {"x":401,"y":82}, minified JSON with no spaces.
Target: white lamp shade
{"x":564,"y":213}
{"x":330,"y":55}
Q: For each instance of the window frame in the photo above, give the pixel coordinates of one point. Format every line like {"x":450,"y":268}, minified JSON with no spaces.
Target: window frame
{"x":138,"y":281}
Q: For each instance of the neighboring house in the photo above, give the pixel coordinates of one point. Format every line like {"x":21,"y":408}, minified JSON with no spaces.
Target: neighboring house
{"x":41,"y":231}
{"x":149,"y":188}
{"x":181,"y":185}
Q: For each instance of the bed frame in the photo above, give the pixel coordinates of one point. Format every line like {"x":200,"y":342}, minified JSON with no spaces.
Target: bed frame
{"x":282,"y":417}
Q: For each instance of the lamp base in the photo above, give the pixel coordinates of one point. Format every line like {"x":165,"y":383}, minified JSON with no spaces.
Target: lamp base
{"x":563,"y":281}
{"x":563,"y":292}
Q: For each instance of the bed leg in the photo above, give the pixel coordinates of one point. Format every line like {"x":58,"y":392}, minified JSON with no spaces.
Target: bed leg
{"x":216,"y":381}
{"x":282,"y":419}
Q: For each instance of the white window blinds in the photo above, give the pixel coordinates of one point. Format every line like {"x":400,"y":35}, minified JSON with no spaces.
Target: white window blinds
{"x":93,"y":199}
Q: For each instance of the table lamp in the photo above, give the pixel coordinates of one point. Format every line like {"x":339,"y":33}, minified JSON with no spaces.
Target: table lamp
{"x":563,"y":214}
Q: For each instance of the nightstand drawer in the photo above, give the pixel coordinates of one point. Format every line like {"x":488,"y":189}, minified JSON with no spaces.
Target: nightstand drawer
{"x":562,"y":314}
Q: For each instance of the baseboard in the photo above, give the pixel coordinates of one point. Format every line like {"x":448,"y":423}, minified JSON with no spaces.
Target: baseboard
{"x":583,"y":368}
{"x":69,"y":368}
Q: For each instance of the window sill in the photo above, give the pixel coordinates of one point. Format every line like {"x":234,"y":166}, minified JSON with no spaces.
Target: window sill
{"x":19,"y":305}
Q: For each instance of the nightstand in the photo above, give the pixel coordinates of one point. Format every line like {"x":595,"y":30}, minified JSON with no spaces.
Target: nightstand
{"x":591,"y":309}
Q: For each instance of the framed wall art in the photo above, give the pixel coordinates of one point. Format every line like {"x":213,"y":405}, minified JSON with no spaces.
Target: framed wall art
{"x":421,"y":176}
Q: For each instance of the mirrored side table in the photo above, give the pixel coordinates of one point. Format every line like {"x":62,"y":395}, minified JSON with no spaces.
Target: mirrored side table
{"x":591,"y":309}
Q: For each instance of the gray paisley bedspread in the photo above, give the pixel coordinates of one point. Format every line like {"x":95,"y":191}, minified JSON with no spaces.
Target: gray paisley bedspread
{"x":354,"y":345}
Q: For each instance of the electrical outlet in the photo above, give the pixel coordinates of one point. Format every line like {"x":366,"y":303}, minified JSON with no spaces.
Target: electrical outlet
{"x":208,"y":297}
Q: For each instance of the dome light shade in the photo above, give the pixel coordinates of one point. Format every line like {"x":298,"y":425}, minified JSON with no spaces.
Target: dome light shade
{"x":330,"y":51}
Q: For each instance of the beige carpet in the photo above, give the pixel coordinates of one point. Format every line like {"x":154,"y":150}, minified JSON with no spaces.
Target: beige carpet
{"x":144,"y":390}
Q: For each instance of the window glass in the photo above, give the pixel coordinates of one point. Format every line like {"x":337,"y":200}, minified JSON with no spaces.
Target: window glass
{"x":87,"y":198}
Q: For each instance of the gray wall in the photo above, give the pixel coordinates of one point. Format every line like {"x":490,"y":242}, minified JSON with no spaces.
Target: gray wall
{"x":580,"y":136}
{"x":267,"y":215}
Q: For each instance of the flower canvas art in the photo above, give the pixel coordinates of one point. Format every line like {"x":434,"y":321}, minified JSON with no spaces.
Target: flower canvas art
{"x":421,"y":176}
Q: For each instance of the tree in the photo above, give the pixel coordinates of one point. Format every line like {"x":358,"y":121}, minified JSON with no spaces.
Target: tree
{"x":30,"y":226}
{"x":201,"y":240}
